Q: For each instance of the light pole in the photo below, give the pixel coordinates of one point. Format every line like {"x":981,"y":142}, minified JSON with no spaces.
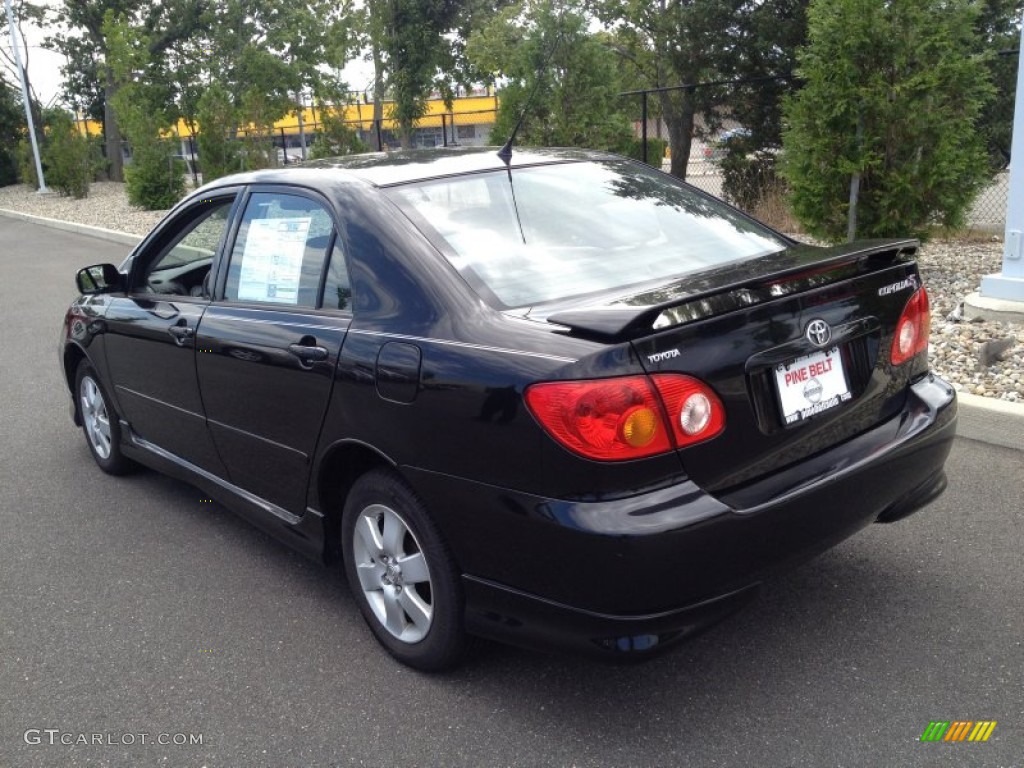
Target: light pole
{"x":24,"y":97}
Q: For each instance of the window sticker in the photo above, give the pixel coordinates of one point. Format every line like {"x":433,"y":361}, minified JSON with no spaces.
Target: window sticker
{"x":272,"y":260}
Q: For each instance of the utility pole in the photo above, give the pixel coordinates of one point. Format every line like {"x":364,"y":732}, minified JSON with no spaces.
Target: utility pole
{"x":25,"y":99}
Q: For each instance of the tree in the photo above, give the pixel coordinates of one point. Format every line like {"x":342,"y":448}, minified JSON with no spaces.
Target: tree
{"x":161,"y":24}
{"x":34,"y":15}
{"x":999,"y":37}
{"x":417,"y":47}
{"x":154,"y":180}
{"x":562,"y":78}
{"x":882,"y":137}
{"x":263,"y":58}
{"x":12,"y":128}
{"x":683,"y":42}
{"x":218,"y":155}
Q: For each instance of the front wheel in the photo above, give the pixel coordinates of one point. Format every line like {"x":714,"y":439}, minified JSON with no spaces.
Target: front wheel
{"x":401,"y":573}
{"x":99,"y":422}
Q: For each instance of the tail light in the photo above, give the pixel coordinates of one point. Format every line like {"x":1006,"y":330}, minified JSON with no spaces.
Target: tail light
{"x":913,"y":329}
{"x":629,"y":417}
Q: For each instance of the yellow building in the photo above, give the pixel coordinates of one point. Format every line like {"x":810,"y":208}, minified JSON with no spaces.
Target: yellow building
{"x":468,"y":122}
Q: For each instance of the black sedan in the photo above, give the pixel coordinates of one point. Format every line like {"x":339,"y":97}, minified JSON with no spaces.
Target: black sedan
{"x":557,"y":398}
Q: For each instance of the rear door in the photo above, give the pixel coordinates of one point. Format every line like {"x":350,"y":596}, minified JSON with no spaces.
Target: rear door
{"x":268,"y":346}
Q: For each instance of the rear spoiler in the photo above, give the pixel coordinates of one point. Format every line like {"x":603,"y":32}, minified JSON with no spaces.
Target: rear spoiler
{"x":731,"y":287}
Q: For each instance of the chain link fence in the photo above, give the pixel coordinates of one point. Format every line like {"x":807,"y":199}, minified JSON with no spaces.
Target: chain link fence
{"x":726,"y":162}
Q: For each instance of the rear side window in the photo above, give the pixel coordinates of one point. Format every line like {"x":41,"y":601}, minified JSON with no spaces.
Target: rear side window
{"x":280,"y":251}
{"x":553,"y":232}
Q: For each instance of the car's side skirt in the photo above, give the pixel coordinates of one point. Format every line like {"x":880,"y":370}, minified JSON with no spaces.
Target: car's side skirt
{"x":304,"y":533}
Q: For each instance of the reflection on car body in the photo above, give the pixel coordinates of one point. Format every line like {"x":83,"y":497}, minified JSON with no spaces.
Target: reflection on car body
{"x":559,"y":399}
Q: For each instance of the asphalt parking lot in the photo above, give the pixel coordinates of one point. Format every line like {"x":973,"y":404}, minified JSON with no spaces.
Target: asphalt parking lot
{"x":131,"y":607}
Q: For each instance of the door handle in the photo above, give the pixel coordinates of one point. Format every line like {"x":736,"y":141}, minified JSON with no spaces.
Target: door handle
{"x":181,"y":333}
{"x":308,"y":354}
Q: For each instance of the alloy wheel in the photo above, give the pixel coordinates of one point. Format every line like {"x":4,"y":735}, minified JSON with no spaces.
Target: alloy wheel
{"x":393,"y":573}
{"x":95,"y":417}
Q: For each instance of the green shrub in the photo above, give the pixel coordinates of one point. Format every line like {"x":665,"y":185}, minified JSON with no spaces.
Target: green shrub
{"x":655,"y":150}
{"x":26,"y":164}
{"x":155,"y":180}
{"x":335,"y":139}
{"x":746,"y":179}
{"x":68,"y":157}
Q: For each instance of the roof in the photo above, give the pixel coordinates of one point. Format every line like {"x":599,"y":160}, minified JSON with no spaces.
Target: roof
{"x":384,"y":169}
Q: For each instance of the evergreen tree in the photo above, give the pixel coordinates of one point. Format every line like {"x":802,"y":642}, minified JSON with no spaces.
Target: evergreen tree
{"x":882,"y":138}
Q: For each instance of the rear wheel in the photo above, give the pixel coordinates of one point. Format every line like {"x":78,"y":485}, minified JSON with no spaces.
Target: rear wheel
{"x":401,"y":573}
{"x":99,"y":422}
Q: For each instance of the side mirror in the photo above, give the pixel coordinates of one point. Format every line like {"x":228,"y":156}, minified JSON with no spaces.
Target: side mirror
{"x":99,"y":278}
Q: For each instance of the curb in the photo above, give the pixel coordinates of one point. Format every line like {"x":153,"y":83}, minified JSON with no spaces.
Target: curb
{"x":985,"y":419}
{"x":988,"y":420}
{"x":110,"y":235}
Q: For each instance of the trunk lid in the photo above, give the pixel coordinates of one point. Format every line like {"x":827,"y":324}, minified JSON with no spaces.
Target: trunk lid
{"x":796,"y":345}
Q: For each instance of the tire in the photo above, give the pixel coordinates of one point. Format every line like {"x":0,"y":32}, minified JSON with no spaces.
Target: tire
{"x":100,"y":422}
{"x":401,"y":574}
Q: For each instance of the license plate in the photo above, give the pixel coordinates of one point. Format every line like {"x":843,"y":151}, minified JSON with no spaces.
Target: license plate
{"x":811,"y":385}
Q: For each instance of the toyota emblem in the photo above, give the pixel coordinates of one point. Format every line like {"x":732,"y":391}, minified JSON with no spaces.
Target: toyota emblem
{"x":818,"y":333}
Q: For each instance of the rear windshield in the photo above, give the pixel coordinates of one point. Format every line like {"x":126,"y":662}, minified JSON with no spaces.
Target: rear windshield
{"x":554,"y":232}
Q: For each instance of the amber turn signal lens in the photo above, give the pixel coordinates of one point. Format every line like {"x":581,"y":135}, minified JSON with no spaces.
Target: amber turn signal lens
{"x":638,"y":427}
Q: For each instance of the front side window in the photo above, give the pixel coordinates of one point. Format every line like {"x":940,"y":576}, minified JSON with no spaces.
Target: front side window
{"x":181,"y":267}
{"x":280,"y":251}
{"x":552,"y":232}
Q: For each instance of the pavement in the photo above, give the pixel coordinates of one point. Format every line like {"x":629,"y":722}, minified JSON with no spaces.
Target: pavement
{"x":986,"y":419}
{"x":132,"y":611}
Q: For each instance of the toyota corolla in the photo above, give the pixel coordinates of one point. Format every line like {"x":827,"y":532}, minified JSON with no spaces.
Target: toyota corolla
{"x":555,"y":398}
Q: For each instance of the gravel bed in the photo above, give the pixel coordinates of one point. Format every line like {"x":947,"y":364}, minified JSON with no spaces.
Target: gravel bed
{"x":106,"y":206}
{"x":951,"y":269}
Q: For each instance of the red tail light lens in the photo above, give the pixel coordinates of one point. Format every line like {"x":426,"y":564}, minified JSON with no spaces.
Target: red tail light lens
{"x":625,"y":418}
{"x":913,"y":329}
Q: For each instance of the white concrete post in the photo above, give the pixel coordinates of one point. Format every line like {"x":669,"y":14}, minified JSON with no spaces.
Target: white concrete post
{"x":1009,"y":284}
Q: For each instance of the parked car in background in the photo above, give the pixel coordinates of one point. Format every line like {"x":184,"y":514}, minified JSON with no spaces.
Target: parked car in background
{"x":556,"y":398}
{"x":716,"y":150}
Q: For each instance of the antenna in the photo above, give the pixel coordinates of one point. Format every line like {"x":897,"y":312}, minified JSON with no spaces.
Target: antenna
{"x":505,"y":153}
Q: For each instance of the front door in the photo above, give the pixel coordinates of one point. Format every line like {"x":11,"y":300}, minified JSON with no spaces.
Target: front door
{"x":150,"y":333}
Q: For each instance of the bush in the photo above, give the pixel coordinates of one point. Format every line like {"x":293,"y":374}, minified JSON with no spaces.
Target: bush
{"x":155,"y":180}
{"x":68,"y":157}
{"x":655,"y":150}
{"x":335,"y":139}
{"x":747,"y":179}
{"x":26,"y":164}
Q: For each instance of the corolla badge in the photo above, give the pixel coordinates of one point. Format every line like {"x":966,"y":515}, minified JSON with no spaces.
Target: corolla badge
{"x":818,"y":333}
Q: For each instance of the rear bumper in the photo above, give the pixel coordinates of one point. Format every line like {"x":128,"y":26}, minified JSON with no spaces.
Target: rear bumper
{"x":634,"y":574}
